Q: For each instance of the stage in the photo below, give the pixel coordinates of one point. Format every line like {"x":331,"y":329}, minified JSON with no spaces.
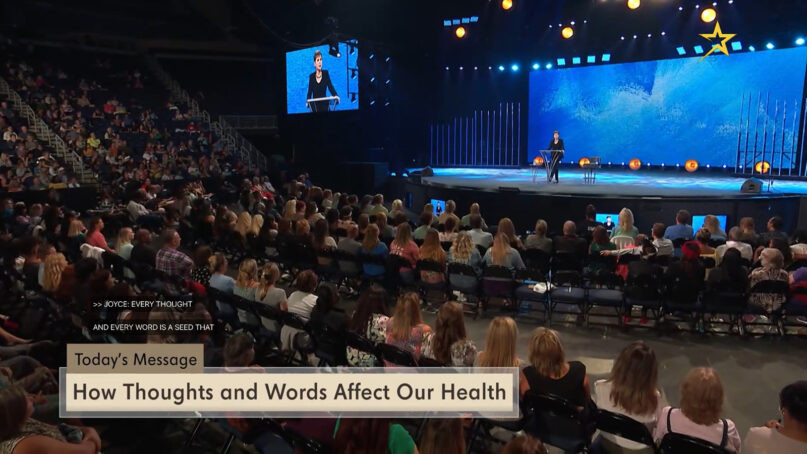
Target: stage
{"x":611,"y":183}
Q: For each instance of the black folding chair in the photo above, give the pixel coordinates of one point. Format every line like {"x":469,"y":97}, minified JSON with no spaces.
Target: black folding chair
{"x":463,"y":278}
{"x":527,"y":293}
{"x":675,"y":443}
{"x":397,"y":356}
{"x":497,"y":282}
{"x":567,"y":290}
{"x":776,"y":289}
{"x":364,"y":345}
{"x":625,"y":427}
{"x":557,"y":422}
{"x":537,"y":259}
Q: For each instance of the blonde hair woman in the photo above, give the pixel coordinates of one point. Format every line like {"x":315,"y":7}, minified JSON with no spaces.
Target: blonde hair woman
{"x":405,"y":329}
{"x":55,"y":265}
{"x":123,"y":245}
{"x":631,"y":390}
{"x":257,"y":225}
{"x":290,"y":209}
{"x":501,"y":254}
{"x":247,"y":280}
{"x":465,"y":252}
{"x":549,"y":373}
{"x":432,"y":250}
{"x":371,"y":246}
{"x":500,"y":348}
{"x":625,"y":226}
{"x":699,"y":415}
{"x":712,"y":224}
{"x":76,"y":228}
{"x":243,"y":224}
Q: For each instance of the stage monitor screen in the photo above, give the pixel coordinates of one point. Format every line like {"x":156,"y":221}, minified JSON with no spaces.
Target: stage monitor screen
{"x":336,"y":87}
{"x":439,"y":206}
{"x":605,"y":217}
{"x":669,"y":111}
{"x":697,"y":221}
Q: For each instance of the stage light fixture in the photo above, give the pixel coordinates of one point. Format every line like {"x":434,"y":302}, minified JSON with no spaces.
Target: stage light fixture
{"x":538,"y":161}
{"x":567,"y":32}
{"x":490,"y":68}
{"x":576,"y":60}
{"x":591,"y":59}
{"x":681,"y":50}
{"x":501,"y":67}
{"x":714,"y":3}
{"x":752,"y":48}
{"x":698,"y":49}
{"x":606,"y":57}
{"x":708,"y":15}
{"x":762,"y":166}
{"x":731,"y":2}
{"x":535,"y":66}
{"x":393,"y":174}
{"x":583,"y":162}
{"x":649,"y":35}
{"x":460,"y":32}
{"x":386,"y":103}
{"x":372,"y":102}
{"x":561,"y":62}
{"x":697,"y":6}
{"x":799,"y":41}
{"x":769,"y":46}
{"x":663,"y":33}
{"x":633,"y":4}
{"x":622,"y":38}
{"x":571,"y":23}
{"x":507,"y":4}
{"x":585,"y":21}
{"x":736,"y":45}
{"x":405,"y":174}
{"x":333,"y":49}
{"x":353,"y":97}
{"x":446,"y":68}
{"x":372,"y":56}
{"x":387,"y":59}
{"x":680,"y":8}
{"x":691,"y":165}
{"x":635,"y":36}
{"x":550,"y":25}
{"x":635,"y":164}
{"x":708,"y":166}
{"x":476,"y":68}
{"x":548,"y":66}
{"x":447,"y":23}
{"x":514,"y":68}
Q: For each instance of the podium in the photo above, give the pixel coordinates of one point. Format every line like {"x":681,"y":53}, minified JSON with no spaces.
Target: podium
{"x":332,"y":100}
{"x":547,"y":156}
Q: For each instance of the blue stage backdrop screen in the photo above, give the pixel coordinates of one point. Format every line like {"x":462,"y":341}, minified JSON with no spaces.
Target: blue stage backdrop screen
{"x":342,"y":72}
{"x":664,"y":111}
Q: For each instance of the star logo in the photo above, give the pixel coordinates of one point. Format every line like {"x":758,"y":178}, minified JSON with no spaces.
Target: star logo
{"x":724,"y":38}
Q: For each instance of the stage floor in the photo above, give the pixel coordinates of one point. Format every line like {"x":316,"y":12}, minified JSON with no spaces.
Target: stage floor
{"x":611,"y":183}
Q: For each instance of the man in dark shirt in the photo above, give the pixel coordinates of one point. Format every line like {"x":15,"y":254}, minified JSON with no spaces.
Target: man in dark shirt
{"x":774,"y":226}
{"x":587,"y":226}
{"x":570,"y":243}
{"x":142,"y":253}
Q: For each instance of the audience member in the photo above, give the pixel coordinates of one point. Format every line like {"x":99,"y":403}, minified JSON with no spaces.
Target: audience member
{"x":550,"y":373}
{"x":443,"y":436}
{"x":788,"y":435}
{"x":327,"y":314}
{"x":586,"y":226}
{"x":774,"y":231}
{"x":524,"y":444}
{"x":405,"y":329}
{"x":218,"y":279}
{"x":478,"y":235}
{"x":463,"y":251}
{"x":432,"y":250}
{"x":501,"y":254}
{"x":473,"y":211}
{"x":426,"y":219}
{"x":246,"y":281}
{"x":748,"y":232}
{"x":170,"y":260}
{"x":95,"y":237}
{"x":405,"y":247}
{"x":301,"y":302}
{"x":370,"y":319}
{"x":699,"y":415}
{"x":449,"y":230}
{"x":365,"y":436}
{"x":712,"y":224}
{"x":745,"y":249}
{"x":449,"y":343}
{"x":570,"y":243}
{"x":507,"y":227}
{"x":771,"y":270}
{"x":625,"y":225}
{"x":682,"y":230}
{"x":703,"y":237}
{"x":538,"y":239}
{"x":500,"y":349}
{"x":372,"y":247}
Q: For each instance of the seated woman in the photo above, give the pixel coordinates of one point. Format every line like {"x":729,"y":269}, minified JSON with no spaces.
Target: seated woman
{"x":507,"y":227}
{"x":625,"y":225}
{"x":372,"y":247}
{"x":702,"y":236}
{"x":772,"y":269}
{"x":405,"y":328}
{"x":300,"y":302}
{"x":218,"y":279}
{"x":538,"y":239}
{"x":500,"y":349}
{"x":20,"y":434}
{"x":449,"y":229}
{"x":365,"y":436}
{"x":95,"y":237}
{"x":370,"y":320}
{"x":247,"y":280}
{"x":502,"y":254}
{"x":433,"y":251}
{"x":326,"y":313}
{"x":322,"y":241}
{"x":699,"y":415}
{"x":599,"y":242}
{"x":631,"y":390}
{"x":463,"y":251}
{"x":686,"y":276}
{"x":404,"y":246}
{"x":201,"y":265}
{"x":550,"y":373}
{"x":788,"y":435}
{"x":449,"y":343}
{"x":730,"y":275}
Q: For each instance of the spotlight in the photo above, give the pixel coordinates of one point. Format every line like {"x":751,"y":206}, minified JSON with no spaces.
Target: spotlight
{"x":476,"y":68}
{"x":535,"y":66}
{"x":567,"y":32}
{"x":799,"y":41}
{"x":736,"y":45}
{"x":591,"y":59}
{"x":635,"y":36}
{"x":663,"y":33}
{"x":446,"y":68}
{"x":386,"y":103}
{"x":501,"y":68}
{"x":387,"y":59}
{"x":752,"y":48}
{"x":550,"y":25}
{"x":681,"y":50}
{"x":585,"y":21}
{"x":714,"y":3}
{"x":633,"y":4}
{"x":649,"y":35}
{"x":708,"y":15}
{"x":372,"y":102}
{"x":769,"y":46}
{"x":490,"y":68}
{"x":507,"y":4}
{"x":698,"y":49}
{"x":548,"y":66}
{"x":606,"y":57}
{"x":575,"y":60}
{"x":680,"y":8}
{"x":571,"y":23}
{"x":731,"y":2}
{"x":460,"y":32}
{"x":372,"y":79}
{"x":333,"y":49}
{"x":514,"y":68}
{"x":561,"y":62}
{"x":697,"y":6}
{"x":622,"y":38}
{"x":372,"y":56}
{"x":461,"y":68}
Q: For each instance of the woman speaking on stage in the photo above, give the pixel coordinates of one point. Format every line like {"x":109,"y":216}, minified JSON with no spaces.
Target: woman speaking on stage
{"x":318,"y":82}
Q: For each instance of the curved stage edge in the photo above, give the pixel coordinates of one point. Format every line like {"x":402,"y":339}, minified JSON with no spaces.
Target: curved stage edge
{"x":652,"y":196}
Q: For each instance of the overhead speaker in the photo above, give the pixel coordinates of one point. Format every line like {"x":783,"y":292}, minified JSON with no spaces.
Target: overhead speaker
{"x":751,"y":186}
{"x":427,"y":172}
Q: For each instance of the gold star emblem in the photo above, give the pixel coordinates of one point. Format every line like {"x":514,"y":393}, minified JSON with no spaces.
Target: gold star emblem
{"x":724,"y":38}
